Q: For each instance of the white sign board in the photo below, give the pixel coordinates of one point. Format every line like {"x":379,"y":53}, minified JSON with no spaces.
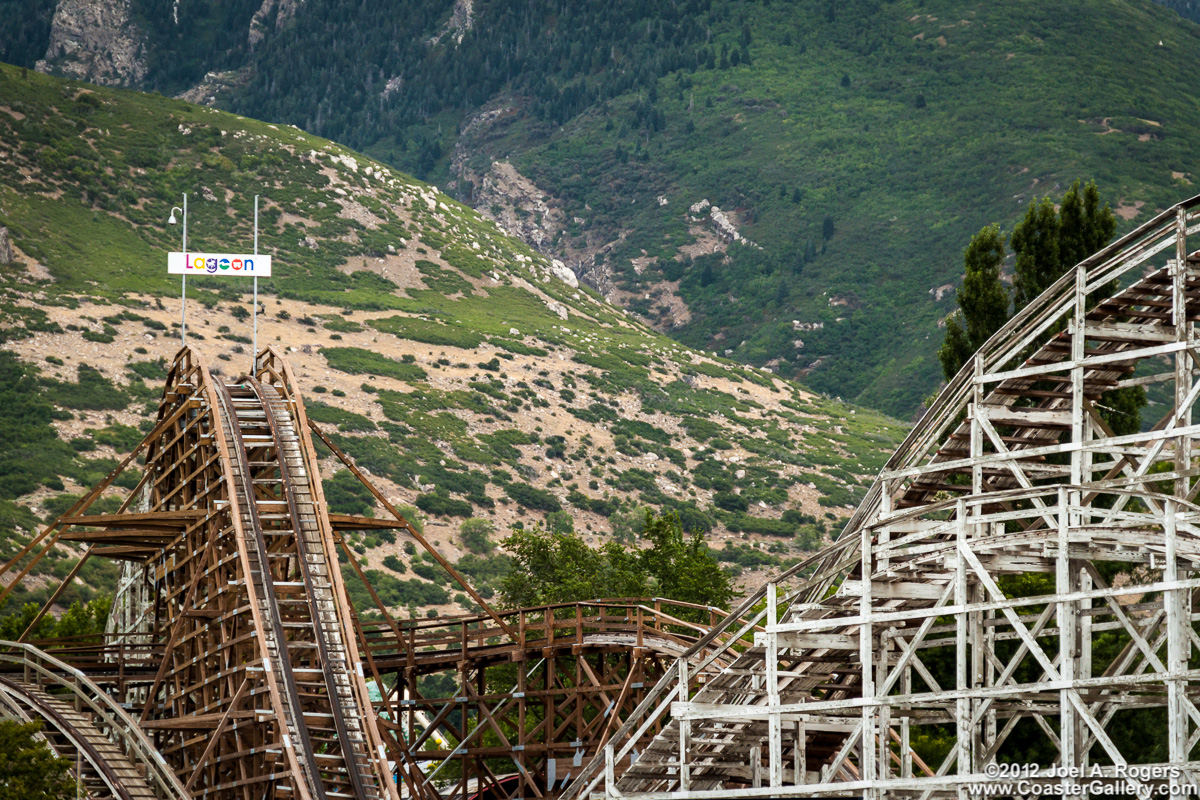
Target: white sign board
{"x":250,"y":266}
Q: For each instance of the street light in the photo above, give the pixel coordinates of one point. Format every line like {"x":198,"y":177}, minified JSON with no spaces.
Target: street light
{"x":183,"y":295}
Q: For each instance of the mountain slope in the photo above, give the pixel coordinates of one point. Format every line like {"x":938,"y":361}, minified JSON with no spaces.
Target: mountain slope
{"x":857,"y":143}
{"x":472,"y":376}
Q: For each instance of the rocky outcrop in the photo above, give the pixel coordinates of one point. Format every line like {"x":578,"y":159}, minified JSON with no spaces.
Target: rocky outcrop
{"x":462,"y":19}
{"x":215,"y":85}
{"x":284,"y":11}
{"x":6,"y":249}
{"x":96,"y":41}
{"x":519,"y":205}
{"x":719,"y":221}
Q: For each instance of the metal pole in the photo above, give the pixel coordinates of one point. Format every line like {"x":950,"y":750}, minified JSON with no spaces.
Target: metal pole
{"x":254,"y":347}
{"x":183,"y":298}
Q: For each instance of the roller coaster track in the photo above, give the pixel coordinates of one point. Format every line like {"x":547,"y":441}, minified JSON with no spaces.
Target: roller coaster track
{"x":85,"y":726}
{"x":1011,"y":532}
{"x":1020,"y":579}
{"x":246,"y":669}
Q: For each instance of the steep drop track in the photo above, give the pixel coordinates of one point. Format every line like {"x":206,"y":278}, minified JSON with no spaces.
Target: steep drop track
{"x":238,"y":668}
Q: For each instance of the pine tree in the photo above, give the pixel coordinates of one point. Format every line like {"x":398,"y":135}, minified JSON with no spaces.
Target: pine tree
{"x":1035,"y":240}
{"x":982,"y":301}
{"x":1047,"y":243}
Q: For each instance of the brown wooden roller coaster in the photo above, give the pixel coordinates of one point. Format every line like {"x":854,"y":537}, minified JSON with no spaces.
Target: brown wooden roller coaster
{"x":235,"y":666}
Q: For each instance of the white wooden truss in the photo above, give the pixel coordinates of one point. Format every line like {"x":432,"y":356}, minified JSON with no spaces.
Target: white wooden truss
{"x":1013,"y":472}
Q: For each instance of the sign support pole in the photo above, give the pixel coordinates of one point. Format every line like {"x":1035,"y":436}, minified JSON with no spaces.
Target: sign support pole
{"x":183,"y":298}
{"x":254,"y":346}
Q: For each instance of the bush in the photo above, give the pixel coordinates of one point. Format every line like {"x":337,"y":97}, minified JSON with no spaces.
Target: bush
{"x":93,"y":392}
{"x":394,"y":563}
{"x":430,"y":572}
{"x":357,"y":361}
{"x":441,"y":505}
{"x":532,"y":498}
{"x":475,"y":535}
{"x":391,"y":590}
{"x":346,"y":494}
{"x":560,"y":522}
{"x":730,"y":501}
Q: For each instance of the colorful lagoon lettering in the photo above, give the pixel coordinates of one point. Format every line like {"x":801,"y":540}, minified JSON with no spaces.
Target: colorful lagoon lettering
{"x":250,"y":265}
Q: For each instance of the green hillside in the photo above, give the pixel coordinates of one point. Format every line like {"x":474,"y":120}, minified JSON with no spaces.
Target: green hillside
{"x":473,"y":377}
{"x":857,"y":142}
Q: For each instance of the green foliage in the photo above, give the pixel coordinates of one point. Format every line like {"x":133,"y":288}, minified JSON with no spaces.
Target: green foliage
{"x":435,"y":333}
{"x":391,"y":590}
{"x":1047,"y":242}
{"x":346,"y":494}
{"x":30,"y":451}
{"x":550,"y":567}
{"x":357,"y":361}
{"x":345,"y":420}
{"x":393,"y":562}
{"x":531,"y":497}
{"x":476,"y":535}
{"x":440,"y":505}
{"x":29,"y":770}
{"x":682,"y":566}
{"x":554,"y":568}
{"x":93,"y":392}
{"x":150,"y":370}
{"x":982,"y":301}
{"x":560,"y":522}
{"x":81,"y":622}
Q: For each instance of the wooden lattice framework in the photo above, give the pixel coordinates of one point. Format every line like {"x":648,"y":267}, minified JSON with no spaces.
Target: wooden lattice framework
{"x":249,"y":674}
{"x":905,"y":621}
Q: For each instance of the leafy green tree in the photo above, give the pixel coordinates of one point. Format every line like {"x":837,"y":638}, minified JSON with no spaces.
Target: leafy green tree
{"x":1084,"y":226}
{"x":1049,"y":242}
{"x":560,"y":522}
{"x":554,"y":568}
{"x":557,"y":568}
{"x":475,"y":535}
{"x":81,"y":619}
{"x":28,"y":769}
{"x":682,"y":565}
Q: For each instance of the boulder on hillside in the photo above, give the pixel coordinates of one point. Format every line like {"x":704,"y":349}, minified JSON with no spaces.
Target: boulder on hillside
{"x":6,"y":250}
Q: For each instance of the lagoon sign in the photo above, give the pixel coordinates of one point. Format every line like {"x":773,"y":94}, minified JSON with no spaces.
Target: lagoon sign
{"x":254,"y":266}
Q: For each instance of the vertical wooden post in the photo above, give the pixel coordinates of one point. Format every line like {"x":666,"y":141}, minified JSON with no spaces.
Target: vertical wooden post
{"x":801,"y":755}
{"x":1069,"y":733}
{"x":774,"y":728}
{"x":685,"y":729}
{"x":976,"y":428}
{"x":963,"y":704}
{"x":1177,"y":638}
{"x":866,"y":654}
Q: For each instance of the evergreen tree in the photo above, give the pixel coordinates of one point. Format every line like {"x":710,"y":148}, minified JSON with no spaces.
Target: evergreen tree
{"x":1035,"y":240}
{"x":1047,"y":243}
{"x":1084,"y":226}
{"x":982,"y":301}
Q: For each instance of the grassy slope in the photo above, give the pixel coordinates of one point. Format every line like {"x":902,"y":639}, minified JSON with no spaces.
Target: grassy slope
{"x":949,"y":115}
{"x":910,"y":124}
{"x":438,"y":345}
